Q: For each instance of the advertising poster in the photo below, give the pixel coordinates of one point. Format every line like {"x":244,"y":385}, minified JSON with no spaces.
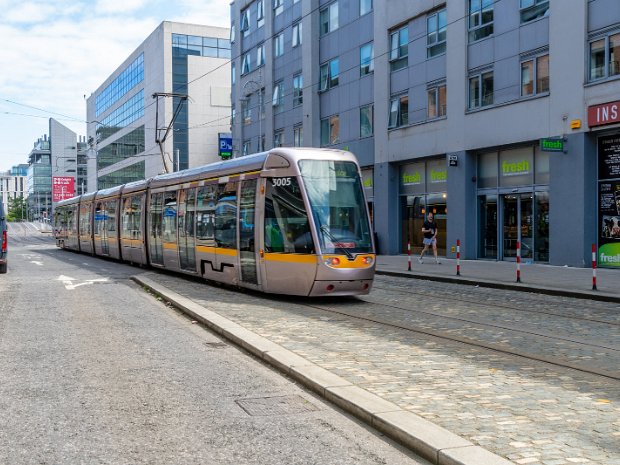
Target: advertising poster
{"x":63,"y":187}
{"x":609,"y":201}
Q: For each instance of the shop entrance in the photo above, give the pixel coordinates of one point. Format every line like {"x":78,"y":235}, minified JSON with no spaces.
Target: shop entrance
{"x":525,"y":218}
{"x":517,"y":212}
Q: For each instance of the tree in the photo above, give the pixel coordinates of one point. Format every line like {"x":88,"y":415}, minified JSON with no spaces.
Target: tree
{"x":18,"y":209}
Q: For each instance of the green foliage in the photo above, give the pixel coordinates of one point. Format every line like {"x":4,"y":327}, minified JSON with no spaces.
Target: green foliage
{"x":18,"y":209}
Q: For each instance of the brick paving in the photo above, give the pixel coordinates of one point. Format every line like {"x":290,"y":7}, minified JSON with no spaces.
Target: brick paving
{"x":526,"y":411}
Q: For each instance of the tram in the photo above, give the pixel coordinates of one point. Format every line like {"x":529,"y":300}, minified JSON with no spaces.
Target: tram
{"x":287,"y":221}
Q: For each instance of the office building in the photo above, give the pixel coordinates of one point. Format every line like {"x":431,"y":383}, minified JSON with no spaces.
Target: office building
{"x":163,"y":107}
{"x":13,"y":184}
{"x":502,"y":118}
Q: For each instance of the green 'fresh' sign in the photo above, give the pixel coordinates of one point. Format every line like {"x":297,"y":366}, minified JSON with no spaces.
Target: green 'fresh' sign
{"x":552,"y":145}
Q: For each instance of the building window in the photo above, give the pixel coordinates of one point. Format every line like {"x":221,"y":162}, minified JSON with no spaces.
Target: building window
{"x":261,"y":103}
{"x":605,"y":57}
{"x":367,"y":59}
{"x":298,"y":90}
{"x":233,"y":73}
{"x":260,"y":55}
{"x":329,"y":73}
{"x":278,"y":44}
{"x":330,"y":130}
{"x":480,"y":19}
{"x":278,"y":7}
{"x":296,"y":34}
{"x":328,"y":18}
{"x":260,"y":13}
{"x":233,"y":115}
{"x":481,"y":90}
{"x":399,"y":48}
{"x":246,"y":111}
{"x":276,"y":100}
{"x":436,"y":34}
{"x":436,"y":102}
{"x":365,"y":7}
{"x":535,"y":76}
{"x":232,"y":32}
{"x":532,"y":9}
{"x":399,"y":112}
{"x":367,"y":120}
{"x":245,"y":22}
{"x":278,"y":138}
{"x":298,"y":136}
{"x":247,"y":149}
{"x":246,"y":66}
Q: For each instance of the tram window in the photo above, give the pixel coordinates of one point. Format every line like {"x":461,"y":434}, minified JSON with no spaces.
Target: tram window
{"x":100,"y":219}
{"x":205,"y":213}
{"x":226,"y":216}
{"x":170,"y":217}
{"x":286,"y":221}
{"x":110,"y":208}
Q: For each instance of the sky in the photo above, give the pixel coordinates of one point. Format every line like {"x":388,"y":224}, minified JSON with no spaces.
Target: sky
{"x":55,"y":53}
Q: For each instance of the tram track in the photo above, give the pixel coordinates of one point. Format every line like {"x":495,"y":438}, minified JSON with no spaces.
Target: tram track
{"x":562,"y":362}
{"x":521,"y":308}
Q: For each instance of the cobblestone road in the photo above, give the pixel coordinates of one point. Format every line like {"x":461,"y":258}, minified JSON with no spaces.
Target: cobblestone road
{"x":528,"y":411}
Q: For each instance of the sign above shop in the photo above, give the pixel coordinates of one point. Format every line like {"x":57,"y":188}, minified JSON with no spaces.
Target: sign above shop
{"x":552,"y":144}
{"x":605,"y":113}
{"x":453,"y":160}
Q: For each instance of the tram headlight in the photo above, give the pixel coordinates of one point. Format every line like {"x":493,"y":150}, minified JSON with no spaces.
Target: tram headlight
{"x":332,"y":261}
{"x":368,"y":260}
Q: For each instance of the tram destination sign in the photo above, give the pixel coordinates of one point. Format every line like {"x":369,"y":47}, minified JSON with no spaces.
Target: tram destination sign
{"x":552,"y":144}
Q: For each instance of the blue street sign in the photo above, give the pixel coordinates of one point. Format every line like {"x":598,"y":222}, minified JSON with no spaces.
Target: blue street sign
{"x":225,"y":146}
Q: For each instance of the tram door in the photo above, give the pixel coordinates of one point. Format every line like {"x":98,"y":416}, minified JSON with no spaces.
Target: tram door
{"x":247,"y":230}
{"x":187,"y":240}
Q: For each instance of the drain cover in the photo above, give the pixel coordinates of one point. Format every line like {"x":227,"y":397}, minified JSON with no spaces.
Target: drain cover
{"x":281,"y":405}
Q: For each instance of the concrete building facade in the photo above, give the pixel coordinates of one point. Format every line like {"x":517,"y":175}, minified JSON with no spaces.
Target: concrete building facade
{"x":13,"y":184}
{"x":180,"y":71}
{"x":57,"y":169}
{"x":501,"y":118}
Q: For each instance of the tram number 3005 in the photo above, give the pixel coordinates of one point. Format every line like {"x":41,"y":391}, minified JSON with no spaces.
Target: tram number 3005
{"x":281,"y":182}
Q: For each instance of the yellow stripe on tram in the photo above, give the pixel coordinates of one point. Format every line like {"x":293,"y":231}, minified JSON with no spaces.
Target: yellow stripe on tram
{"x":216,"y":250}
{"x":291,"y":258}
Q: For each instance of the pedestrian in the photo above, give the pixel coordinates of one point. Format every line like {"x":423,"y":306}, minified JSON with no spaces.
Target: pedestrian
{"x":429,"y":229}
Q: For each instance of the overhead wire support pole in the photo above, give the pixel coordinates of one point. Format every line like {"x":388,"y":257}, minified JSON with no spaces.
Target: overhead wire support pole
{"x":160,"y":141}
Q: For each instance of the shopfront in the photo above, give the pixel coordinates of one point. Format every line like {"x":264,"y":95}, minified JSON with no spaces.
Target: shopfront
{"x":423,"y":188}
{"x":513,"y":204}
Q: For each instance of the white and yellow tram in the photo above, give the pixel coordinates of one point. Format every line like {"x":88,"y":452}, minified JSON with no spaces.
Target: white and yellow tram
{"x":286,"y":221}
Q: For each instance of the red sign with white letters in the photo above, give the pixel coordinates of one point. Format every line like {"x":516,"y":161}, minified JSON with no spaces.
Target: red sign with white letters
{"x":63,"y":187}
{"x":605,"y":113}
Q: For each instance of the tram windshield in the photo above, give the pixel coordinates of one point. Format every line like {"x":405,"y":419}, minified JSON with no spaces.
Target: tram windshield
{"x":338,"y":206}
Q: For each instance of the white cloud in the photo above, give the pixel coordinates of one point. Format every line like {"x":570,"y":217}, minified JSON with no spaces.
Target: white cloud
{"x":28,"y":12}
{"x":118,"y":6}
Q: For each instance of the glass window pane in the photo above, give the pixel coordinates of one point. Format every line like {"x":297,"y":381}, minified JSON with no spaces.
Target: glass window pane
{"x":432,"y":103}
{"x":404,"y":111}
{"x":487,"y":170}
{"x":516,"y":167}
{"x":474,"y":92}
{"x":597,"y":59}
{"x":614,"y":54}
{"x":442,"y":101}
{"x":487,"y":89}
{"x":527,"y":78}
{"x":542,"y":74}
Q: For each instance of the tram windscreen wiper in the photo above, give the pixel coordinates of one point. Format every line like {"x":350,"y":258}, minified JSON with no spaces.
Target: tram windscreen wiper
{"x":336,"y":242}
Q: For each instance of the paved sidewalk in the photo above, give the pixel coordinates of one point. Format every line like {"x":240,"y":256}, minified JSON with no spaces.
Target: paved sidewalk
{"x":450,"y":403}
{"x":547,"y":279}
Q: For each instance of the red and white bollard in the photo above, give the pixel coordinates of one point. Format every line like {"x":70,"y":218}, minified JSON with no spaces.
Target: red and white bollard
{"x":408,"y":256}
{"x":594,"y":267}
{"x":518,"y":261}
{"x":458,"y":257}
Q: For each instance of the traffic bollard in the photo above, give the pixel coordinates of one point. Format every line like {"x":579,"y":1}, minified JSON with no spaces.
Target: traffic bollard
{"x":594,"y":267}
{"x":518,"y":261}
{"x":458,"y":257}
{"x":408,"y":256}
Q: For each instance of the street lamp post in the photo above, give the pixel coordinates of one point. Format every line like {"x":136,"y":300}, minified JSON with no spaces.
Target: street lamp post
{"x":258,"y":87}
